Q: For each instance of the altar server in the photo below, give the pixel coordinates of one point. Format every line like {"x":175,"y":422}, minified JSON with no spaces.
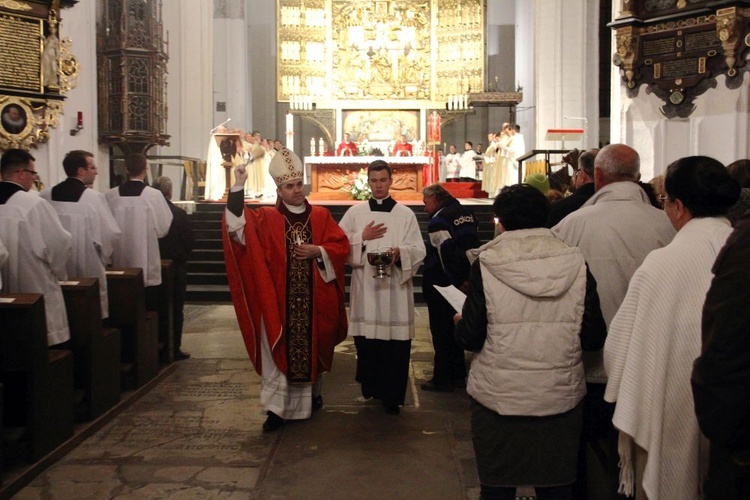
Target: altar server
{"x":38,"y":245}
{"x":143,"y":216}
{"x":381,"y":317}
{"x":85,"y":214}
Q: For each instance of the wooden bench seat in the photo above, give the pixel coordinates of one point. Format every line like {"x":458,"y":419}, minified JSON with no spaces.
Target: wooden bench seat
{"x":139,"y":329}
{"x":96,"y":350}
{"x":37,"y":380}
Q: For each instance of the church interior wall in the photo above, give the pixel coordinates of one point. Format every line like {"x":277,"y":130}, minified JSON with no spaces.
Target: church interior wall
{"x":566,"y":71}
{"x":718,"y":127}
{"x":79,"y":23}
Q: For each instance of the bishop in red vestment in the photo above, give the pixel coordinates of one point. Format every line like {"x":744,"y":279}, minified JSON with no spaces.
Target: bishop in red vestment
{"x":285,"y":267}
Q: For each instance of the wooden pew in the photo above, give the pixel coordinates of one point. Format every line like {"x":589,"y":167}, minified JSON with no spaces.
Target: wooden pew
{"x":38,"y":381}
{"x":165,"y":308}
{"x":139,"y":329}
{"x":96,"y":350}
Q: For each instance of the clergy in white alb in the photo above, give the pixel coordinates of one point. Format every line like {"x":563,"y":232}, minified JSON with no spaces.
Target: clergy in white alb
{"x":38,"y":245}
{"x":381,"y":310}
{"x":143,"y":216}
{"x":656,"y":335}
{"x":84,"y":213}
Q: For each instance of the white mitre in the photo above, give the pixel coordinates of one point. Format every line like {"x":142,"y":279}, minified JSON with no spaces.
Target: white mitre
{"x":285,"y":167}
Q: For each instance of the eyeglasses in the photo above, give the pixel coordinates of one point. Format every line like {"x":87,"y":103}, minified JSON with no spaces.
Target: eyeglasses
{"x":32,"y":172}
{"x":663,"y":198}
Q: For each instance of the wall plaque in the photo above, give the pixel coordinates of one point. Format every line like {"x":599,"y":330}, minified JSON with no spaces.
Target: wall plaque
{"x":677,"y":48}
{"x":36,"y":69}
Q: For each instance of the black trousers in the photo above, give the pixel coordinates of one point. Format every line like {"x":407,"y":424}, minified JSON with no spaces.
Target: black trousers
{"x":383,"y":369}
{"x":450,"y":366}
{"x":179,"y":293}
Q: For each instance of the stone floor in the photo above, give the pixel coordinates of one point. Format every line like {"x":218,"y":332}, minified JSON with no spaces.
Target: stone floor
{"x":197,"y":434}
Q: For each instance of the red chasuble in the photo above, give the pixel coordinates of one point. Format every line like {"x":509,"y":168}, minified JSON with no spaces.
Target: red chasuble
{"x":304,"y":325}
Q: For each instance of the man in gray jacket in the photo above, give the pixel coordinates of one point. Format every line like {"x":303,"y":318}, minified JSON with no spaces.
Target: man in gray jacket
{"x":615,"y":230}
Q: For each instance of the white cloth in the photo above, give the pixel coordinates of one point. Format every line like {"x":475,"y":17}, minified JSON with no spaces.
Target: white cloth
{"x":216,"y":183}
{"x":468,"y":165}
{"x":143,"y":220}
{"x":3,"y":259}
{"x":288,"y":401}
{"x":534,"y":288}
{"x":452,"y":166}
{"x":615,"y":229}
{"x":94,"y":232}
{"x":38,"y":249}
{"x":652,"y":343}
{"x":383,"y":308}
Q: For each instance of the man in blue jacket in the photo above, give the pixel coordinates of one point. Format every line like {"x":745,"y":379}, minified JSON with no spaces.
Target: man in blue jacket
{"x":453,"y":229}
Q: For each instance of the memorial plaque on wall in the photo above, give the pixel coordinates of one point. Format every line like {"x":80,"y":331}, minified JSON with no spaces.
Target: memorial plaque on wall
{"x":20,"y":68}
{"x":677,"y":48}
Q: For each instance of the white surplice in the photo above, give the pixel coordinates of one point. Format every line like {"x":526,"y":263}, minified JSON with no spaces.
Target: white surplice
{"x":94,"y":232}
{"x":3,"y":259}
{"x":652,"y":343}
{"x":143,"y":220}
{"x":38,"y":249}
{"x":383,"y":308}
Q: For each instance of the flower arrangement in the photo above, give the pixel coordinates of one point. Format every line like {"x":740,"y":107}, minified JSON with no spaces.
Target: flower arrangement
{"x":357,"y":185}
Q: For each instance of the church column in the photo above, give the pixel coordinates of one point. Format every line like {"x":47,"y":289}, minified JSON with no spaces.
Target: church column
{"x":231,"y":64}
{"x":565,"y":49}
{"x":190,"y":86}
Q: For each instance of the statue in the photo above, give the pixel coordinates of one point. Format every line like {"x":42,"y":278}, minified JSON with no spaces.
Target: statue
{"x":51,"y":59}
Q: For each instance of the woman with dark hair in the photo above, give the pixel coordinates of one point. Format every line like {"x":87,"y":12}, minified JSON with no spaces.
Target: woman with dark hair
{"x":531,"y":308}
{"x":740,"y":171}
{"x":656,"y":335}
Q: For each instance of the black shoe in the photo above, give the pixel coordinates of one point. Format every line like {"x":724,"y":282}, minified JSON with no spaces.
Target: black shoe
{"x":179,"y":355}
{"x":392,"y":409}
{"x":273,"y":422}
{"x":317,"y":403}
{"x":433,"y":387}
{"x":459,"y":383}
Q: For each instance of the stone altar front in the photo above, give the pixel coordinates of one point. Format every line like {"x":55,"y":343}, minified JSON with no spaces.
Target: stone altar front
{"x":331,"y":176}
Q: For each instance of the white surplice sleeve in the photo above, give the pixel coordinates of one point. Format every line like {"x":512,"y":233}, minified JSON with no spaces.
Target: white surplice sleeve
{"x":411,"y":248}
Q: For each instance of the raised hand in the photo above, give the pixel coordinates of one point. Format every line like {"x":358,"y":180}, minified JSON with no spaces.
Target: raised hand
{"x":240,"y":175}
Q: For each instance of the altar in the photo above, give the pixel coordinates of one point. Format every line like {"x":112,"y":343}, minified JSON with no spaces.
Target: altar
{"x":331,"y":177}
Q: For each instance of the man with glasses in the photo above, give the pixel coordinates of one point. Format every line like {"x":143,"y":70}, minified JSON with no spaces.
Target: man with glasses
{"x":85,"y":214}
{"x":38,"y":245}
{"x":583,"y":179}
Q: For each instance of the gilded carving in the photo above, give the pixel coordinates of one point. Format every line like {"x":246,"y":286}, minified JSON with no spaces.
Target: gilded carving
{"x":26,"y":121}
{"x":627,"y":46}
{"x":383,"y":49}
{"x":13,"y":5}
{"x":727,"y":28}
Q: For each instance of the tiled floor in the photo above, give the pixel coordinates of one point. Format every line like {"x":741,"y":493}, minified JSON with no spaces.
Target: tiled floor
{"x":197,"y":434}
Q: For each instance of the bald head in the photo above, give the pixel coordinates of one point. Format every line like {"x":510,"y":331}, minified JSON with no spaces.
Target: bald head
{"x":616,"y":163}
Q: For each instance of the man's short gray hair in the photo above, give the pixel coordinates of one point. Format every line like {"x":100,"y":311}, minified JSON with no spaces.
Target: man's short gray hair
{"x":437,"y":191}
{"x":619,"y":162}
{"x":163,"y":184}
